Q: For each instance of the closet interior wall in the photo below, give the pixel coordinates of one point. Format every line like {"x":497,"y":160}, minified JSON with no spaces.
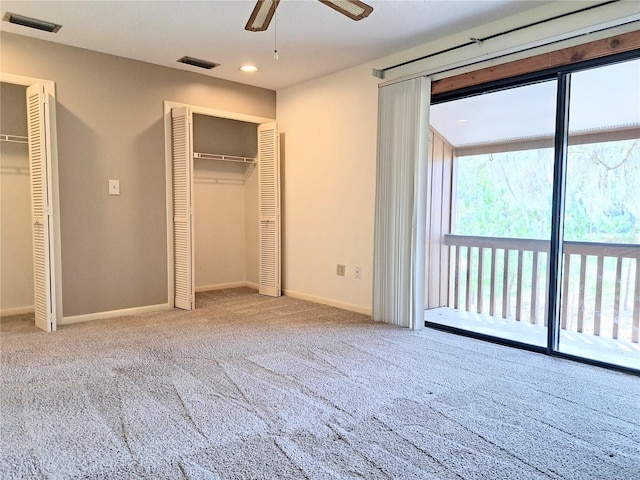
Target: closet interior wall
{"x":16,"y":248}
{"x":225,"y":204}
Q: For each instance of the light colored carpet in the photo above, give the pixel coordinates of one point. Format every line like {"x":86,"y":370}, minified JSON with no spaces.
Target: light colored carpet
{"x":248,"y":386}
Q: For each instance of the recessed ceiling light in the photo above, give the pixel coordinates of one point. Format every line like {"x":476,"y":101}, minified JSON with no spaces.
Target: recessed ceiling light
{"x":462,"y":120}
{"x":197,"y":62}
{"x":31,"y":22}
{"x":249,"y":68}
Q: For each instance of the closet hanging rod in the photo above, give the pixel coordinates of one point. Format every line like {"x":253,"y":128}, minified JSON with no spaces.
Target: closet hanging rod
{"x":224,"y":158}
{"x":13,"y":138}
{"x":15,"y":170}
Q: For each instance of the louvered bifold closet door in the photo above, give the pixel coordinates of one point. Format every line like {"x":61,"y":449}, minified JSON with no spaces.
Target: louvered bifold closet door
{"x":41,"y":202}
{"x":269,"y":181}
{"x":182,"y":166}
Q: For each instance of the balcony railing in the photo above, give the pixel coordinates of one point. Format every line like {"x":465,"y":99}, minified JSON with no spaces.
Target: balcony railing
{"x":507,"y":277}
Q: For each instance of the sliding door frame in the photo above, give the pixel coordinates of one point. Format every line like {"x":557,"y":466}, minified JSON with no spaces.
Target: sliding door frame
{"x":563,"y":76}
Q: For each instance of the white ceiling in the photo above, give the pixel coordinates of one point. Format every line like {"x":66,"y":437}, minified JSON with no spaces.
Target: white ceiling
{"x":312,"y":39}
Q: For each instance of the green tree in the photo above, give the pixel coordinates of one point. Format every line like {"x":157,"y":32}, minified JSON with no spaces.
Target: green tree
{"x":509,"y":194}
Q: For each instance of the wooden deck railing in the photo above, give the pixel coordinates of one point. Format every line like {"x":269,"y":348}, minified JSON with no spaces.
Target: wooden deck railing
{"x":507,"y":277}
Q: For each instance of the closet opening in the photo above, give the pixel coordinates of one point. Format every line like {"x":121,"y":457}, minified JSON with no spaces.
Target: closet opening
{"x":17,"y":288}
{"x":30,"y":224}
{"x":222,"y":202}
{"x":225,"y":192}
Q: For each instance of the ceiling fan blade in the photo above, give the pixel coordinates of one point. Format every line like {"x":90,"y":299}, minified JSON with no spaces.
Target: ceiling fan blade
{"x":353,"y":9}
{"x":261,"y":15}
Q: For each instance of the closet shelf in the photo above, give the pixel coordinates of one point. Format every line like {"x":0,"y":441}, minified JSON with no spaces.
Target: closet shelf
{"x":13,"y":138}
{"x":248,"y":164}
{"x":225,"y":158}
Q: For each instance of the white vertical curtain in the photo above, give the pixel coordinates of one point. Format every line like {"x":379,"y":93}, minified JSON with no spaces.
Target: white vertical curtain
{"x":401,"y":187}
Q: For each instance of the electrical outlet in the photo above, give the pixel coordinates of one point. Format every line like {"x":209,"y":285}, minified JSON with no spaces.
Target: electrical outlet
{"x":358,"y":272}
{"x":340,"y":270}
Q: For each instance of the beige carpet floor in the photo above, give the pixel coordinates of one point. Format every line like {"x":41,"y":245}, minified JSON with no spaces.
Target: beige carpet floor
{"x":248,"y":386}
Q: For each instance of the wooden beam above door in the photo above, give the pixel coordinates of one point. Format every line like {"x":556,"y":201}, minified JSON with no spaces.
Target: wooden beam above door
{"x":600,"y":48}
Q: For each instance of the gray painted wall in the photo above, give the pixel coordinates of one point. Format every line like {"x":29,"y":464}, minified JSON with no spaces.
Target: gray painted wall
{"x":110,"y":126}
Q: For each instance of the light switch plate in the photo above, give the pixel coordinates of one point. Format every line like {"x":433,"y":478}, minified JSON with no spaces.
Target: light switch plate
{"x":114,"y":187}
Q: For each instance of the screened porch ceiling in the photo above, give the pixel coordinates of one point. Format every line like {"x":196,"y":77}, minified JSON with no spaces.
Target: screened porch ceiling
{"x":603,"y":99}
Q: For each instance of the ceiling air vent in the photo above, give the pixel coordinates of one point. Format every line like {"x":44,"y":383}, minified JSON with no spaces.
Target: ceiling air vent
{"x":196,"y":62}
{"x":31,"y":22}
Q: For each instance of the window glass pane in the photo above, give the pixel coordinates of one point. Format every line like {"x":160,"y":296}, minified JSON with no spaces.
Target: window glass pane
{"x":601,"y":283}
{"x":501,"y":192}
{"x":505,"y":194}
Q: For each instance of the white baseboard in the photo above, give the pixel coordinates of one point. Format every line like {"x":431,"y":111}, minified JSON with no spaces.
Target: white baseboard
{"x":7,"y":312}
{"x":113,"y":313}
{"x":222,"y":286}
{"x":328,"y":301}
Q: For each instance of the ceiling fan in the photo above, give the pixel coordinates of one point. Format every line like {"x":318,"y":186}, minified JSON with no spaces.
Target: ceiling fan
{"x":264,"y":10}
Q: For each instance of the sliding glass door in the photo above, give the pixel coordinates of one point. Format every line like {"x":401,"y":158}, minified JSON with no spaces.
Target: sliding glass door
{"x":501,"y":210}
{"x":571,"y":286}
{"x":601,"y":249}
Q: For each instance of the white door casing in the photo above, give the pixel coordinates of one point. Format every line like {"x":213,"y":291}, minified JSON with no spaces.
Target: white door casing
{"x":269,"y":195}
{"x":183,"y":238}
{"x":39,"y":133}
